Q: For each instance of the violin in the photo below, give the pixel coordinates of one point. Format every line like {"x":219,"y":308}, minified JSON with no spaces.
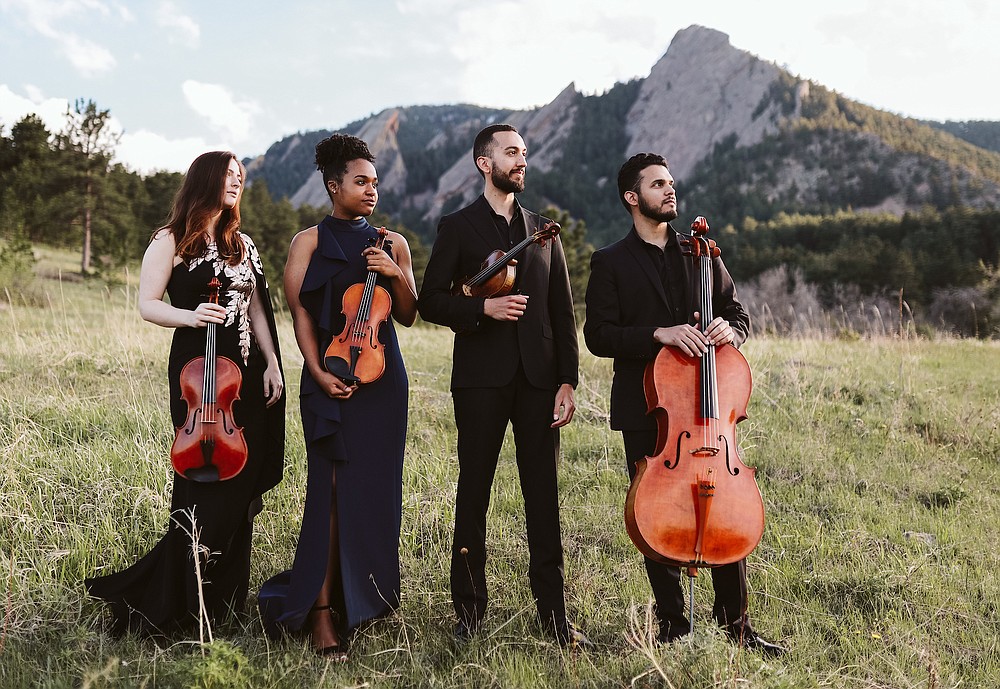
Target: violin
{"x":356,"y":355}
{"x":209,"y":446}
{"x":496,"y":279}
{"x":694,"y":503}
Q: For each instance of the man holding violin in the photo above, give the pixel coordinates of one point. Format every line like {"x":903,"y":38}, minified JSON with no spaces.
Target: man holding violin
{"x":515,"y":361}
{"x":640,"y":298}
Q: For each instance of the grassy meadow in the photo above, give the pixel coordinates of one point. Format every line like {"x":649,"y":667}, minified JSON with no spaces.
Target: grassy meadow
{"x":877,"y":459}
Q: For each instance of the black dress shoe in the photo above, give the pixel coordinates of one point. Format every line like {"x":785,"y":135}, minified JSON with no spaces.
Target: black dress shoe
{"x":669,"y":637}
{"x":756,"y":642}
{"x":572,"y":638}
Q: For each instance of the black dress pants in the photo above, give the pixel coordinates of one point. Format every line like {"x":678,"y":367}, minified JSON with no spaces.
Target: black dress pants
{"x":729,"y":581}
{"x":481,"y":415}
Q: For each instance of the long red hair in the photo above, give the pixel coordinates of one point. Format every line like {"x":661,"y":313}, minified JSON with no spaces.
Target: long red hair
{"x":198,"y":201}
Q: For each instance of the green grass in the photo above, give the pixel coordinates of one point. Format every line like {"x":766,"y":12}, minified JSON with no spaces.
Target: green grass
{"x":877,"y":459}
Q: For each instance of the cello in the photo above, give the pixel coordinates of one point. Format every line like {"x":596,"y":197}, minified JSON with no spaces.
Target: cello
{"x":694,"y":503}
{"x":355,"y":355}
{"x":209,"y":446}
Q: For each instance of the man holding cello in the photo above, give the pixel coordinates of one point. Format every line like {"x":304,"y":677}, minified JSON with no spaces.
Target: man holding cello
{"x":515,"y":361}
{"x":639,"y":298}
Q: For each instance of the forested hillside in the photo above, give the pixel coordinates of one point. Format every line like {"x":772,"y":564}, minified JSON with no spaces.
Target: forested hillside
{"x":978,"y":133}
{"x":847,"y":201}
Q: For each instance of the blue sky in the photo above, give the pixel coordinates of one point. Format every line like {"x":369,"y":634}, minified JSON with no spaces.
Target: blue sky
{"x":184,"y":76}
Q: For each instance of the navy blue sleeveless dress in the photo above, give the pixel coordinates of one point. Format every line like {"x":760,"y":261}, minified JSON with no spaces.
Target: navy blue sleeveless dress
{"x":159,"y":594}
{"x":362,"y":439}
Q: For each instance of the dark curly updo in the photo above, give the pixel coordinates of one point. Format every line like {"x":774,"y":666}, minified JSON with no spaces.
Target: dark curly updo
{"x":335,"y":152}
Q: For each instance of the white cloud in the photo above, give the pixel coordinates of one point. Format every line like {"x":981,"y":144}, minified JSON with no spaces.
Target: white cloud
{"x":217,"y":105}
{"x":52,"y":111}
{"x":88,"y":57}
{"x":146,"y":152}
{"x":125,"y":13}
{"x":183,"y":27}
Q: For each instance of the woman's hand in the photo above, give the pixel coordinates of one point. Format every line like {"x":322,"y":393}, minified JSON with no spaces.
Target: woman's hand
{"x":273,"y":384}
{"x":379,"y":261}
{"x":207,"y":313}
{"x":333,"y":386}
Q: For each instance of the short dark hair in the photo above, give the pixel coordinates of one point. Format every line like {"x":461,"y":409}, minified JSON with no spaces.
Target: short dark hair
{"x":631,"y":172}
{"x":336,"y":151}
{"x":483,"y":146}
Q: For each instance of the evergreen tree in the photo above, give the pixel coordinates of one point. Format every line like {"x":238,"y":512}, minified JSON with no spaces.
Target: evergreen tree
{"x":26,"y":182}
{"x":87,"y":146}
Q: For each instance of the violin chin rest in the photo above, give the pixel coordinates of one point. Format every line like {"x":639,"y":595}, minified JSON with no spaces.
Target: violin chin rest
{"x":340,"y":368}
{"x":207,"y":473}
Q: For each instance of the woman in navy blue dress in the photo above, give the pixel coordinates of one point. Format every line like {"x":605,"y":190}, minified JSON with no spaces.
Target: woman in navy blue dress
{"x":346,"y":567}
{"x":167,"y":591}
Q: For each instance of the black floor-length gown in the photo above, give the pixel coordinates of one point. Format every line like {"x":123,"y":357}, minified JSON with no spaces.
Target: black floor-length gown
{"x":363,"y":439}
{"x":159,"y":594}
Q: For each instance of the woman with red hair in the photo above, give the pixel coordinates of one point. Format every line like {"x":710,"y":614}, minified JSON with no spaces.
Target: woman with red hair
{"x":170,"y":589}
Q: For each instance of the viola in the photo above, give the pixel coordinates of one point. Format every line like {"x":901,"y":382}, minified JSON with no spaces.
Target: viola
{"x":499,"y":270}
{"x":356,"y":355}
{"x":694,"y":503}
{"x":209,"y":446}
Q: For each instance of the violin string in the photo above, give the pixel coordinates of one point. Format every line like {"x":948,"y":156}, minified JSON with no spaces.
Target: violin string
{"x":364,"y":309}
{"x":493,"y":268}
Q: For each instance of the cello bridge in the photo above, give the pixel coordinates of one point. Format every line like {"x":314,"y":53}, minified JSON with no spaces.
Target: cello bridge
{"x":705,"y":451}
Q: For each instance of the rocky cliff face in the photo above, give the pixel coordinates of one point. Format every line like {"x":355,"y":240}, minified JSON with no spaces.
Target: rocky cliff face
{"x":700,"y":92}
{"x":543,"y":130}
{"x":379,"y":133}
{"x":743,"y":138}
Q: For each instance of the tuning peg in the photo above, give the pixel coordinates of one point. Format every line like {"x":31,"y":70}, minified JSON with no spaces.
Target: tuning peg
{"x":700,"y":225}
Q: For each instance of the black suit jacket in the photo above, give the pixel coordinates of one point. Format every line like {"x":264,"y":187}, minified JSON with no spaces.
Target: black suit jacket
{"x":626,"y":303}
{"x":487,"y":352}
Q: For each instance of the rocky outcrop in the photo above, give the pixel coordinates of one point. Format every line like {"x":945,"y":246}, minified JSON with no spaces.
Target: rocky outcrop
{"x":701,"y":91}
{"x":544,"y":131}
{"x":380,"y":134}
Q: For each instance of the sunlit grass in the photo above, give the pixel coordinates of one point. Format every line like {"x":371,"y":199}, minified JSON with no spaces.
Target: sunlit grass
{"x":877,"y":459}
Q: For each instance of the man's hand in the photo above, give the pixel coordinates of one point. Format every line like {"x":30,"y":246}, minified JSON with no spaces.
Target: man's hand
{"x":686,"y":338}
{"x":692,"y":341}
{"x":508,"y":308}
{"x":565,"y":406}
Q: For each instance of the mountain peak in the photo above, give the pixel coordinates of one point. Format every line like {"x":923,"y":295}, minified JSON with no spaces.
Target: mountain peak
{"x":700,"y":92}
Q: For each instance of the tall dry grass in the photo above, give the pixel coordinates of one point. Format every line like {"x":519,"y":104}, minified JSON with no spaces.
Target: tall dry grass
{"x":877,"y":459}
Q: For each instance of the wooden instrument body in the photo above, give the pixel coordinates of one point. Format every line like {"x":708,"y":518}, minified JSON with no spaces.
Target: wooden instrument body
{"x":356,"y":355}
{"x":694,"y":503}
{"x":499,"y":284}
{"x":358,"y":343}
{"x":668,"y":482}
{"x":499,"y":271}
{"x":210,"y":446}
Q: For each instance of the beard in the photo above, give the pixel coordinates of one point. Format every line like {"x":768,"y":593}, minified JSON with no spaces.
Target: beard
{"x":504,"y":183}
{"x":655,"y":213}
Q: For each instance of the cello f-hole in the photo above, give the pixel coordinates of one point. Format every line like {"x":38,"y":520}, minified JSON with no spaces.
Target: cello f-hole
{"x":733,"y":470}
{"x":677,"y":458}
